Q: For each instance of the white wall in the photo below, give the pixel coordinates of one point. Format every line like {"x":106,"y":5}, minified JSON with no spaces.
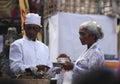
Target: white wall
{"x":53,"y":37}
{"x":64,"y":36}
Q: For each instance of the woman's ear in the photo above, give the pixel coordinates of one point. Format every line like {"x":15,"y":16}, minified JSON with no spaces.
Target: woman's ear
{"x":94,"y":37}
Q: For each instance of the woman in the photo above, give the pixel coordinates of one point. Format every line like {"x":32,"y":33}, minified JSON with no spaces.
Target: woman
{"x":93,"y":57}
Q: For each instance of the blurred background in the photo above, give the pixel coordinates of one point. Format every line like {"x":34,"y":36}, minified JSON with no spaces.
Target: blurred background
{"x":12,"y":15}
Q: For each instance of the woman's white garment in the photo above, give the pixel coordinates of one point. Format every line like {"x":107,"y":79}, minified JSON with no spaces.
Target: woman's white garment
{"x":68,"y":77}
{"x":25,"y":53}
{"x":90,"y":59}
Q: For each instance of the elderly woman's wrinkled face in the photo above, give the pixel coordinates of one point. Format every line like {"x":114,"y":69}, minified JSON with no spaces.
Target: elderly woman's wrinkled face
{"x":84,"y":36}
{"x":31,"y":31}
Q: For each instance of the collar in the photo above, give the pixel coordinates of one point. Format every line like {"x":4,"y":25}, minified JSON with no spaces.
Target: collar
{"x":94,"y":45}
{"x":25,"y":37}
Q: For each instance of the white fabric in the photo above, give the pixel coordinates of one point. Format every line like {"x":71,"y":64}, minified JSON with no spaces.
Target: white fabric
{"x":32,"y":18}
{"x":90,"y":59}
{"x":25,"y":53}
{"x":68,"y":77}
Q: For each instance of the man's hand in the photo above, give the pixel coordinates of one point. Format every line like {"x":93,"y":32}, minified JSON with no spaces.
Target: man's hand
{"x":42,"y":68}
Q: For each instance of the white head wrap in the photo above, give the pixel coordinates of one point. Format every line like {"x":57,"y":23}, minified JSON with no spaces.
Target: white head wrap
{"x":32,"y":18}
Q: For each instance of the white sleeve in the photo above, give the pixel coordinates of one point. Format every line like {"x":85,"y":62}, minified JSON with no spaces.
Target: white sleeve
{"x":15,"y":57}
{"x":94,"y":61}
{"x":49,"y":63}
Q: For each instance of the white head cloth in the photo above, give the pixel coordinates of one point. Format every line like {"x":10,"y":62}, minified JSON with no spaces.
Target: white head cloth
{"x":32,"y":18}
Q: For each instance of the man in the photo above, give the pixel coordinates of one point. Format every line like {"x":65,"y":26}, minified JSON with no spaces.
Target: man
{"x":28,"y":52}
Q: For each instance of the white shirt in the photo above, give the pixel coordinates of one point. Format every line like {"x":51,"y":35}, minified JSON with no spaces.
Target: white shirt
{"x":90,"y":59}
{"x":25,"y":53}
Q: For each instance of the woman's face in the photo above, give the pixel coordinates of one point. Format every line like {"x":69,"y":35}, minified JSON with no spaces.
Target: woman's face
{"x":31,"y":31}
{"x":84,"y":37}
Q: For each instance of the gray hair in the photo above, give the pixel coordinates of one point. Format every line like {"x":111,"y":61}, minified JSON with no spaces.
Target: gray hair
{"x":93,"y":29}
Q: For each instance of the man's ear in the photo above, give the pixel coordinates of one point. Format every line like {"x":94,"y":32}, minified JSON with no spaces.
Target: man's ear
{"x":40,"y":29}
{"x":24,"y":26}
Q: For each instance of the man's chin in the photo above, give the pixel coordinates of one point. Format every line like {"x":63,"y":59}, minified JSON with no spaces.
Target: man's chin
{"x":31,"y":39}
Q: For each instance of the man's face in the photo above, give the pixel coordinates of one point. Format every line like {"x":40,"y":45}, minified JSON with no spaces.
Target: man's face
{"x":31,"y":31}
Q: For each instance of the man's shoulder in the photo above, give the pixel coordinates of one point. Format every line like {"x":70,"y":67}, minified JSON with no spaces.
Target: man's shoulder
{"x":18,"y":41}
{"x":42,"y":44}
